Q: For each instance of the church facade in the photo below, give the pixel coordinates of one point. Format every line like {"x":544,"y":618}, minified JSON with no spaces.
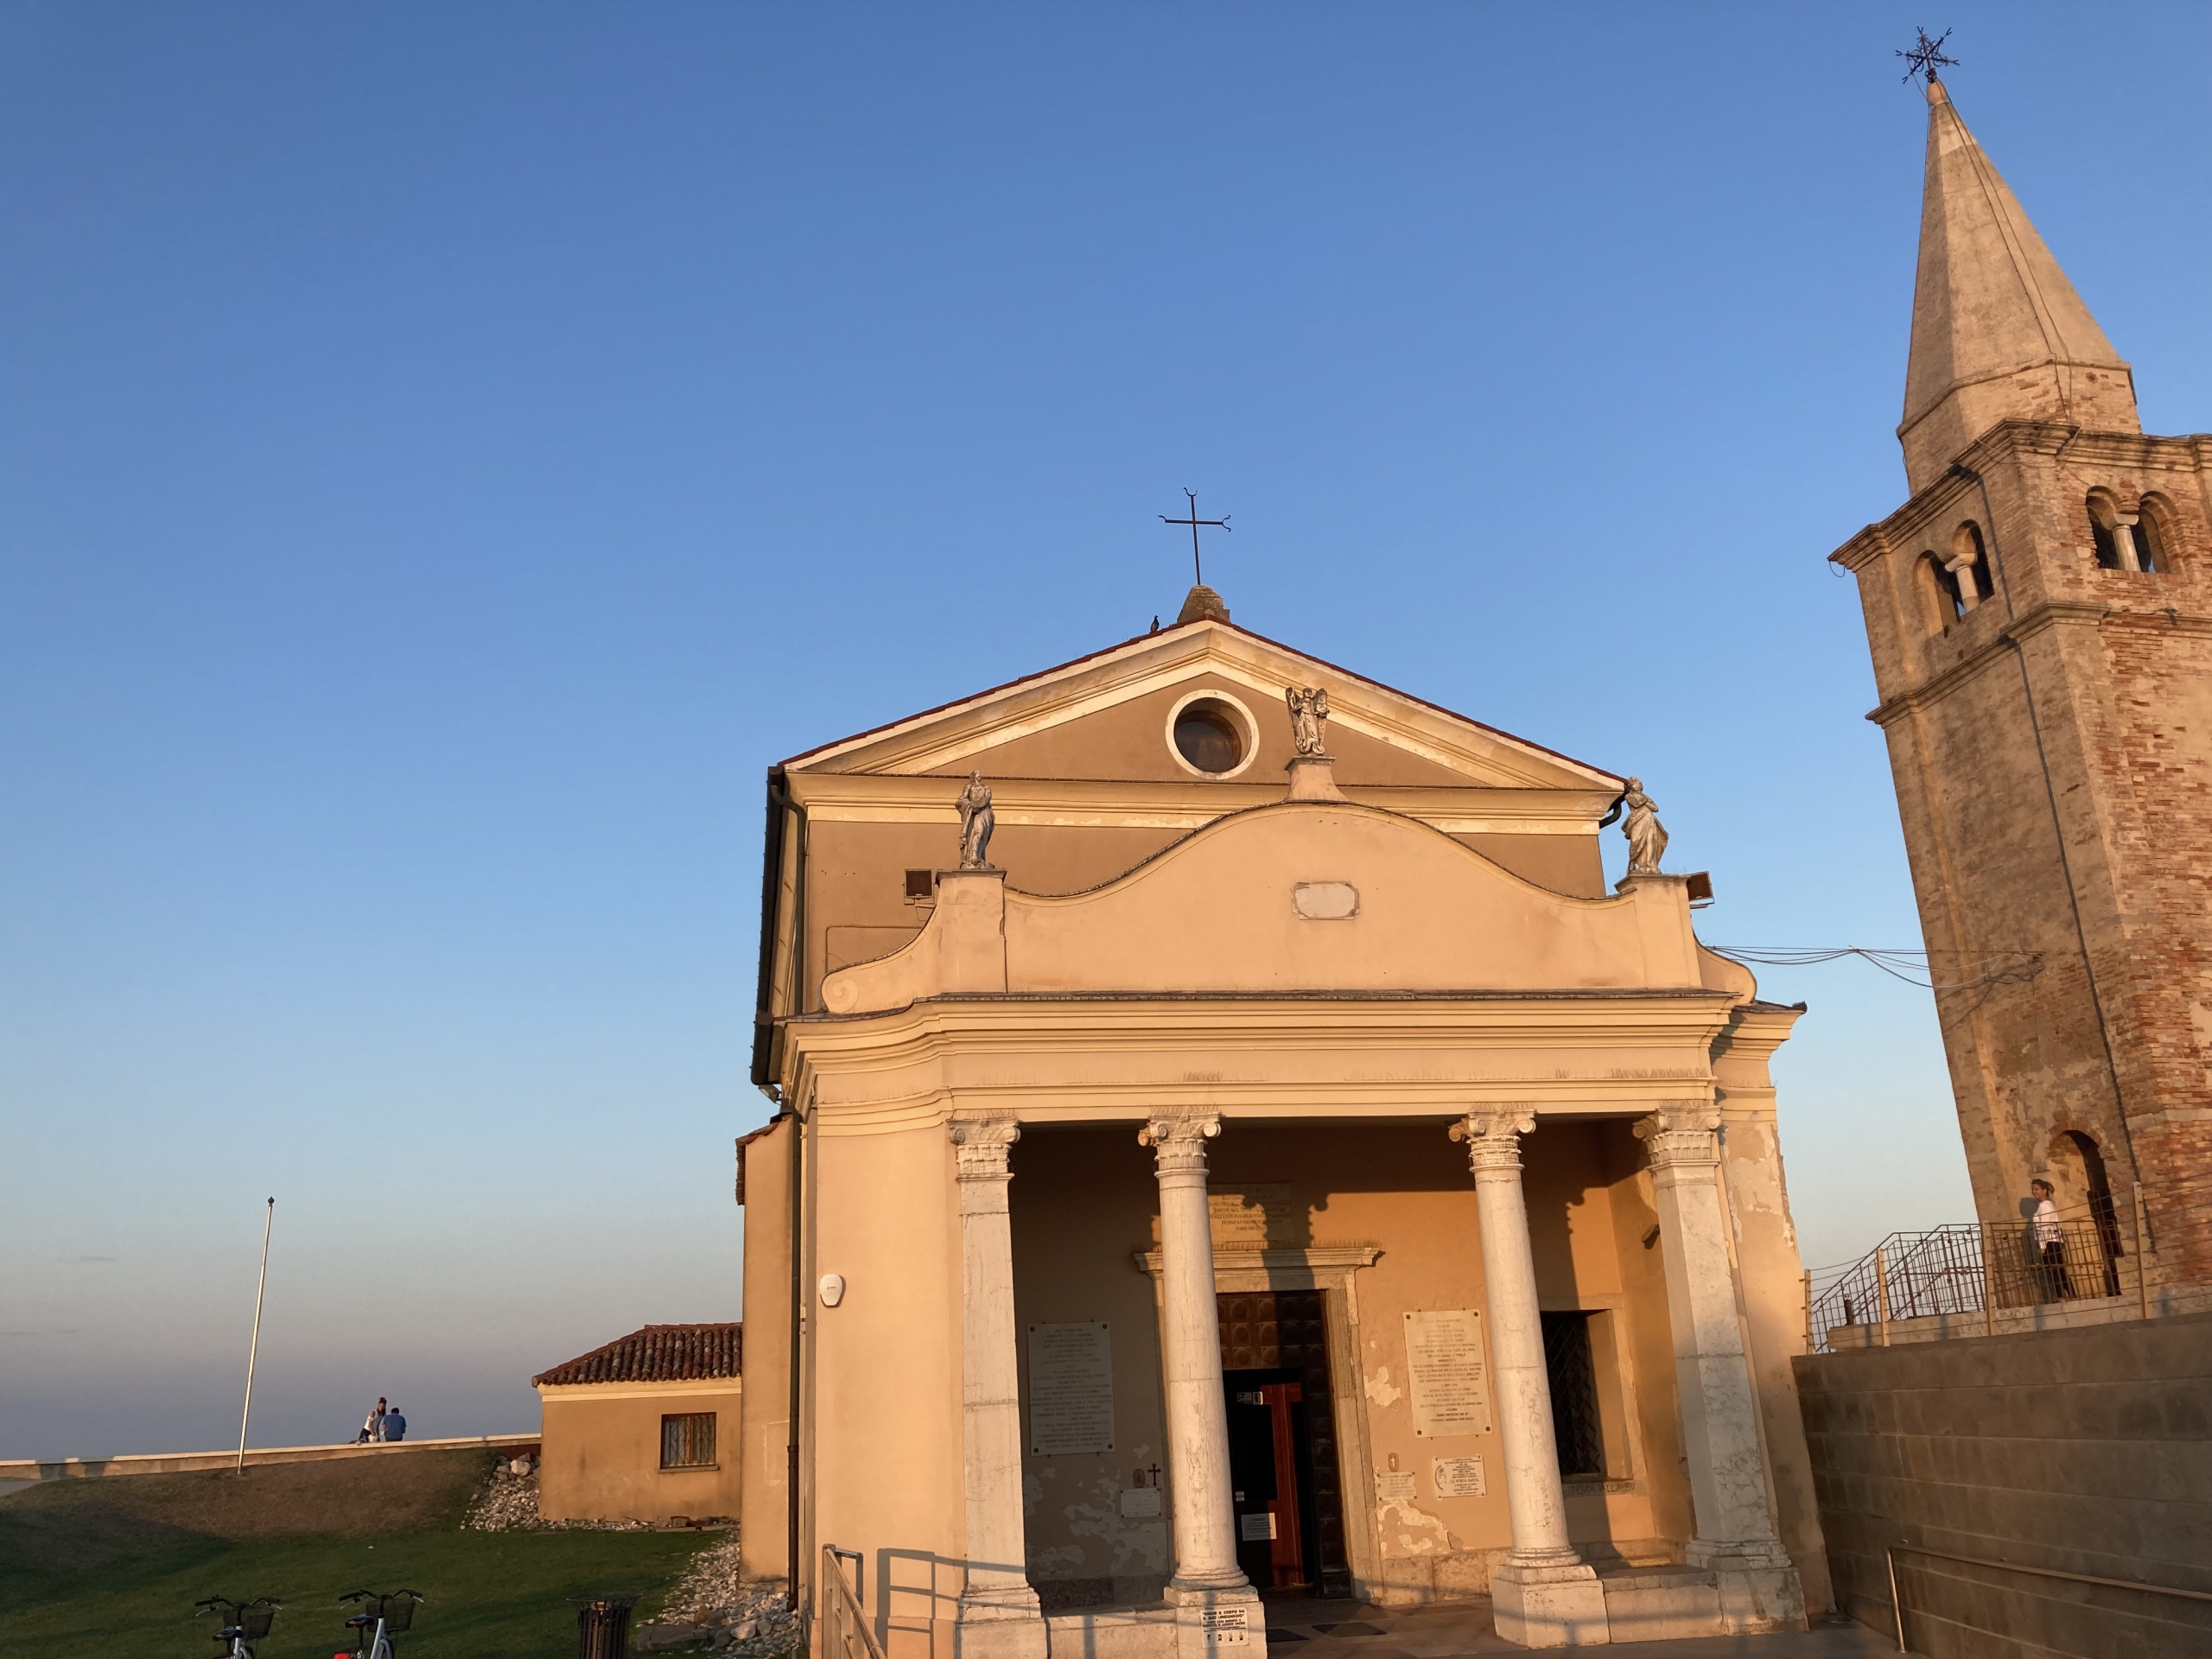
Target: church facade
{"x":1234,"y":1140}
{"x":2040,"y":617}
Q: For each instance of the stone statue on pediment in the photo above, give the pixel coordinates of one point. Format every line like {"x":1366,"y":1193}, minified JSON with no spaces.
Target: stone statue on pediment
{"x":1647,"y":840}
{"x":1309,"y":707}
{"x":977,"y":823}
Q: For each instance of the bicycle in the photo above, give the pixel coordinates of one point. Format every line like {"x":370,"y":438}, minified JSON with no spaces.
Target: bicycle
{"x":239,"y":1622}
{"x":384,"y":1614}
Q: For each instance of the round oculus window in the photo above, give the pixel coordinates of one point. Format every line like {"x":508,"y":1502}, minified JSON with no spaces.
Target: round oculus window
{"x":1207,"y":735}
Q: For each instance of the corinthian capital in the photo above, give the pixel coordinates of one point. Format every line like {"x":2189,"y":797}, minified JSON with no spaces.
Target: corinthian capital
{"x":1493,"y":1137}
{"x":1178,"y":1139}
{"x":1680,"y":1133}
{"x":980,"y":1145}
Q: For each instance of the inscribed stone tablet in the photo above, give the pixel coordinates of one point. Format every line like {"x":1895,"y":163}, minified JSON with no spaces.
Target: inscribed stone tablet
{"x":1444,"y":1367}
{"x":1459,"y":1477}
{"x":1394,"y":1486}
{"x":1070,"y":1389}
{"x":1140,"y":1503}
{"x":1252,"y":1215}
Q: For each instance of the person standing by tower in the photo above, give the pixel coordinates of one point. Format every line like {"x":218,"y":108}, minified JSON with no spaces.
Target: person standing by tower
{"x":2050,"y":1238}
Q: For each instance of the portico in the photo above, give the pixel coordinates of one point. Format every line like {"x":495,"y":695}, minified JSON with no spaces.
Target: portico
{"x":1229,"y":1226}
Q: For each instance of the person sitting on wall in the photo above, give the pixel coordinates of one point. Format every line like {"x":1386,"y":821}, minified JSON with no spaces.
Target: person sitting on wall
{"x":372,"y":1426}
{"x":2050,"y":1245}
{"x":395,"y":1426}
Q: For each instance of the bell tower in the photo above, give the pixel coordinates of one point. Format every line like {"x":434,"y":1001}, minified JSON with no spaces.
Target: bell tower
{"x":2040,"y":618}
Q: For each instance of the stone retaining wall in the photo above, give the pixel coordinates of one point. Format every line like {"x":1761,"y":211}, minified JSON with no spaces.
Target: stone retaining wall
{"x":170,"y":1463}
{"x":2085,"y":1452}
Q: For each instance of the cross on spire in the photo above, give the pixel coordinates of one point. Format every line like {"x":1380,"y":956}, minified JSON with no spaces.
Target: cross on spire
{"x":1194,"y":522}
{"x":1926,"y":55}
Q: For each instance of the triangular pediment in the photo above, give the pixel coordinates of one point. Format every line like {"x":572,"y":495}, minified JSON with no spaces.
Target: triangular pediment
{"x":1108,"y":716}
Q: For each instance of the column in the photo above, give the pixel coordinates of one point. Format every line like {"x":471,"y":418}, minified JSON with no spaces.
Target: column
{"x":997,"y":1591}
{"x":2123,"y":536}
{"x":1197,"y":1413}
{"x":1736,"y":1532}
{"x":1968,"y":575}
{"x":1544,"y":1594}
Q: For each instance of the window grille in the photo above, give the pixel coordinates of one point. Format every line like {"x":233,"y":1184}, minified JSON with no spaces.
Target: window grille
{"x":687,"y":1441}
{"x":1573,"y":1375}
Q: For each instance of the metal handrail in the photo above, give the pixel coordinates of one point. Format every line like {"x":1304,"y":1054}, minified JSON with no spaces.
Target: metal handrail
{"x":1897,"y":1601}
{"x":845,"y":1633}
{"x":1982,"y":1268}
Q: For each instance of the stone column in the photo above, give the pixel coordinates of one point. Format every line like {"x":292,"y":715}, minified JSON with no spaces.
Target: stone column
{"x":1736,"y":1534}
{"x":1544,"y":1594}
{"x":2123,"y":536}
{"x":998,"y":1610}
{"x":1217,"y":1606}
{"x":1967,"y":574}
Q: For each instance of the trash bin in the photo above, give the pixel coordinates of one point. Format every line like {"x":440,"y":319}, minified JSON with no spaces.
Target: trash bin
{"x":603,"y":1626}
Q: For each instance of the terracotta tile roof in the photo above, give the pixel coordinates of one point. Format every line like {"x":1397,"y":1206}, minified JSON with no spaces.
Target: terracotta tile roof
{"x":658,"y":1353}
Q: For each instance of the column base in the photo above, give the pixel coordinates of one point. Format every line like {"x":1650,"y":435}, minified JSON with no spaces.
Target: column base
{"x":1228,"y":1622}
{"x":1001,"y":1626}
{"x":1562,"y":1606}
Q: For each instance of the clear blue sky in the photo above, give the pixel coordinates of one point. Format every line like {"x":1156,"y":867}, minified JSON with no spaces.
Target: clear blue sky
{"x":447,"y":452}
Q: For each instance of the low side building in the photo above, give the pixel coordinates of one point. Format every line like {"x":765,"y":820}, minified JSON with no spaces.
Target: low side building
{"x":644,"y":1428}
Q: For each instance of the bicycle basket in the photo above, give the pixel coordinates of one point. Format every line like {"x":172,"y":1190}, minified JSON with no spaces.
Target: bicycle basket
{"x":252,"y":1618}
{"x":395,"y":1607}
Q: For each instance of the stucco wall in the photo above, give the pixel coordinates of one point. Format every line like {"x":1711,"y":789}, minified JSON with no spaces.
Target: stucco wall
{"x":601,"y":1452}
{"x":881,"y":1430}
{"x":764,"y":1537}
{"x":2084,"y":1451}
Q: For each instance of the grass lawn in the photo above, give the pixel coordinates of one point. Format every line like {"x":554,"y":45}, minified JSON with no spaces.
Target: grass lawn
{"x":109,"y":1568}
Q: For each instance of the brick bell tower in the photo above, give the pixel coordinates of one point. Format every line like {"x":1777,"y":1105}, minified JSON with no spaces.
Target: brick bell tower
{"x":2040,"y":617}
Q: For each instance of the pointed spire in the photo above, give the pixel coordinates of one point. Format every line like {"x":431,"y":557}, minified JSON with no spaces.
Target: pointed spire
{"x":1998,"y":331}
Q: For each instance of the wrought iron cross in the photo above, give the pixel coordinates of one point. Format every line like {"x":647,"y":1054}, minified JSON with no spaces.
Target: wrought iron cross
{"x":1194,"y":522}
{"x":1926,"y":55}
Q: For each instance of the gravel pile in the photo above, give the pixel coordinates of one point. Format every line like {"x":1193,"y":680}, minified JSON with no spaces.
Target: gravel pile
{"x":509,"y":1503}
{"x":710,"y":1606}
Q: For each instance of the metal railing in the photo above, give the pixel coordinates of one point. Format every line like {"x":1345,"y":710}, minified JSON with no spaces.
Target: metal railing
{"x":845,"y":1632}
{"x":1897,"y":1600}
{"x":1970,"y":1268}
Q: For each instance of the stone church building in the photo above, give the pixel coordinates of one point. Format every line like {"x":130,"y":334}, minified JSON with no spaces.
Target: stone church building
{"x":1234,"y":1138}
{"x":2040,"y":615}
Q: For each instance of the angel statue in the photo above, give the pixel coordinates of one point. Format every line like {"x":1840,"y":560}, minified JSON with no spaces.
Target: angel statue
{"x":1646,"y":839}
{"x":1309,"y":707}
{"x":976,"y":822}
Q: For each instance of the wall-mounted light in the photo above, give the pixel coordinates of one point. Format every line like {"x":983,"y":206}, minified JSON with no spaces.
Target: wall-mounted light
{"x":833,"y":1289}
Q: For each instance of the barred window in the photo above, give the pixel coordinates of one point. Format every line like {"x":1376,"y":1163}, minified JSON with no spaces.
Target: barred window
{"x":687,"y":1441}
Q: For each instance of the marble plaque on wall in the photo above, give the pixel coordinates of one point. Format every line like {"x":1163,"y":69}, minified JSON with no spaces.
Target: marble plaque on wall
{"x":1459,"y":1477}
{"x":1445,"y":1372}
{"x":1395,"y":1486}
{"x":1070,"y":1389}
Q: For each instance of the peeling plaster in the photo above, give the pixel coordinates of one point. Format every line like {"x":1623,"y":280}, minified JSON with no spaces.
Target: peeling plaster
{"x":1379,"y":1391}
{"x":1408,"y":1529}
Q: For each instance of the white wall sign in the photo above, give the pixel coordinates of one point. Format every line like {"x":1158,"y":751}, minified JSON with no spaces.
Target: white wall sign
{"x":1070,"y":1389}
{"x":1256,"y":1527}
{"x":1227,"y":1627}
{"x":1395,"y":1486}
{"x":1458,"y":1477}
{"x":1444,"y":1366}
{"x":1141,"y":1502}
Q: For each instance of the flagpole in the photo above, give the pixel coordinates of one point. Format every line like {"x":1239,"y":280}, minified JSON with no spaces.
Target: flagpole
{"x":254,"y":1352}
